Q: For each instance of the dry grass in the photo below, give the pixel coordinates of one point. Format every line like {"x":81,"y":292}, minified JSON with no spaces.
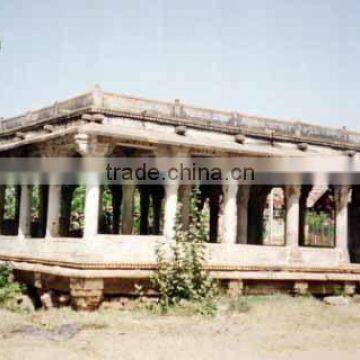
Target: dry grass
{"x":272,"y":327}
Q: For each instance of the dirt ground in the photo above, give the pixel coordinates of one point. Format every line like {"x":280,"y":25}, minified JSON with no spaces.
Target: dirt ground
{"x":278,"y":327}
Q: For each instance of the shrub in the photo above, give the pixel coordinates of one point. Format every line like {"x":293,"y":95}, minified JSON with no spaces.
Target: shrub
{"x":181,"y":277}
{"x":9,"y":290}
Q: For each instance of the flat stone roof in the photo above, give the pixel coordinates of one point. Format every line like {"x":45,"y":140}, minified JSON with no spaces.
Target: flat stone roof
{"x":179,"y":113}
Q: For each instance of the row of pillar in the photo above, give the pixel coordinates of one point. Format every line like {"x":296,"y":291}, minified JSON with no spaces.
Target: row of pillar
{"x":56,"y":197}
{"x":233,"y":215}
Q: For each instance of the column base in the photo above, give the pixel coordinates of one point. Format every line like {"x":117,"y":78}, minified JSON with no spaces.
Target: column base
{"x":344,"y":257}
{"x":349,"y":288}
{"x":295,"y":256}
{"x":301,"y":288}
{"x":235,"y":288}
{"x":86,"y":294}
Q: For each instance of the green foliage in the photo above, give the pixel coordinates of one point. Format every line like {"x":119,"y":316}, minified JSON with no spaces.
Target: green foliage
{"x":316,"y":221}
{"x":338,"y":291}
{"x":9,"y":290}
{"x":35,"y":202}
{"x":321,"y":225}
{"x":181,"y":276}
{"x":77,"y":209}
{"x":10,"y":202}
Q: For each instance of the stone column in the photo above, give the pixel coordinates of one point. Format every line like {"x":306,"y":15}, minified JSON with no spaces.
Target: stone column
{"x":171,"y":157}
{"x":184,"y":198}
{"x":54,"y":211}
{"x":342,"y":197}
{"x":127,"y":209}
{"x":25,"y":212}
{"x":229,"y":213}
{"x":2,"y":206}
{"x":89,"y":146}
{"x":305,"y":191}
{"x":292,"y":195}
{"x":171,"y":196}
{"x":242,"y":213}
{"x":91,"y":211}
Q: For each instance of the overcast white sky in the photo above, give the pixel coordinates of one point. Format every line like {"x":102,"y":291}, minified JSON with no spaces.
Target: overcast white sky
{"x":280,"y":58}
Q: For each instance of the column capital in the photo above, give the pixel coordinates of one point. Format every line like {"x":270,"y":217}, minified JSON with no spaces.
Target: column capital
{"x":88,"y":145}
{"x":342,"y":195}
{"x":293,"y":191}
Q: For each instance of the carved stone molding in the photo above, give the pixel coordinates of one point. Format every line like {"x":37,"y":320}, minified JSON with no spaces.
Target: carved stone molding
{"x":88,"y":145}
